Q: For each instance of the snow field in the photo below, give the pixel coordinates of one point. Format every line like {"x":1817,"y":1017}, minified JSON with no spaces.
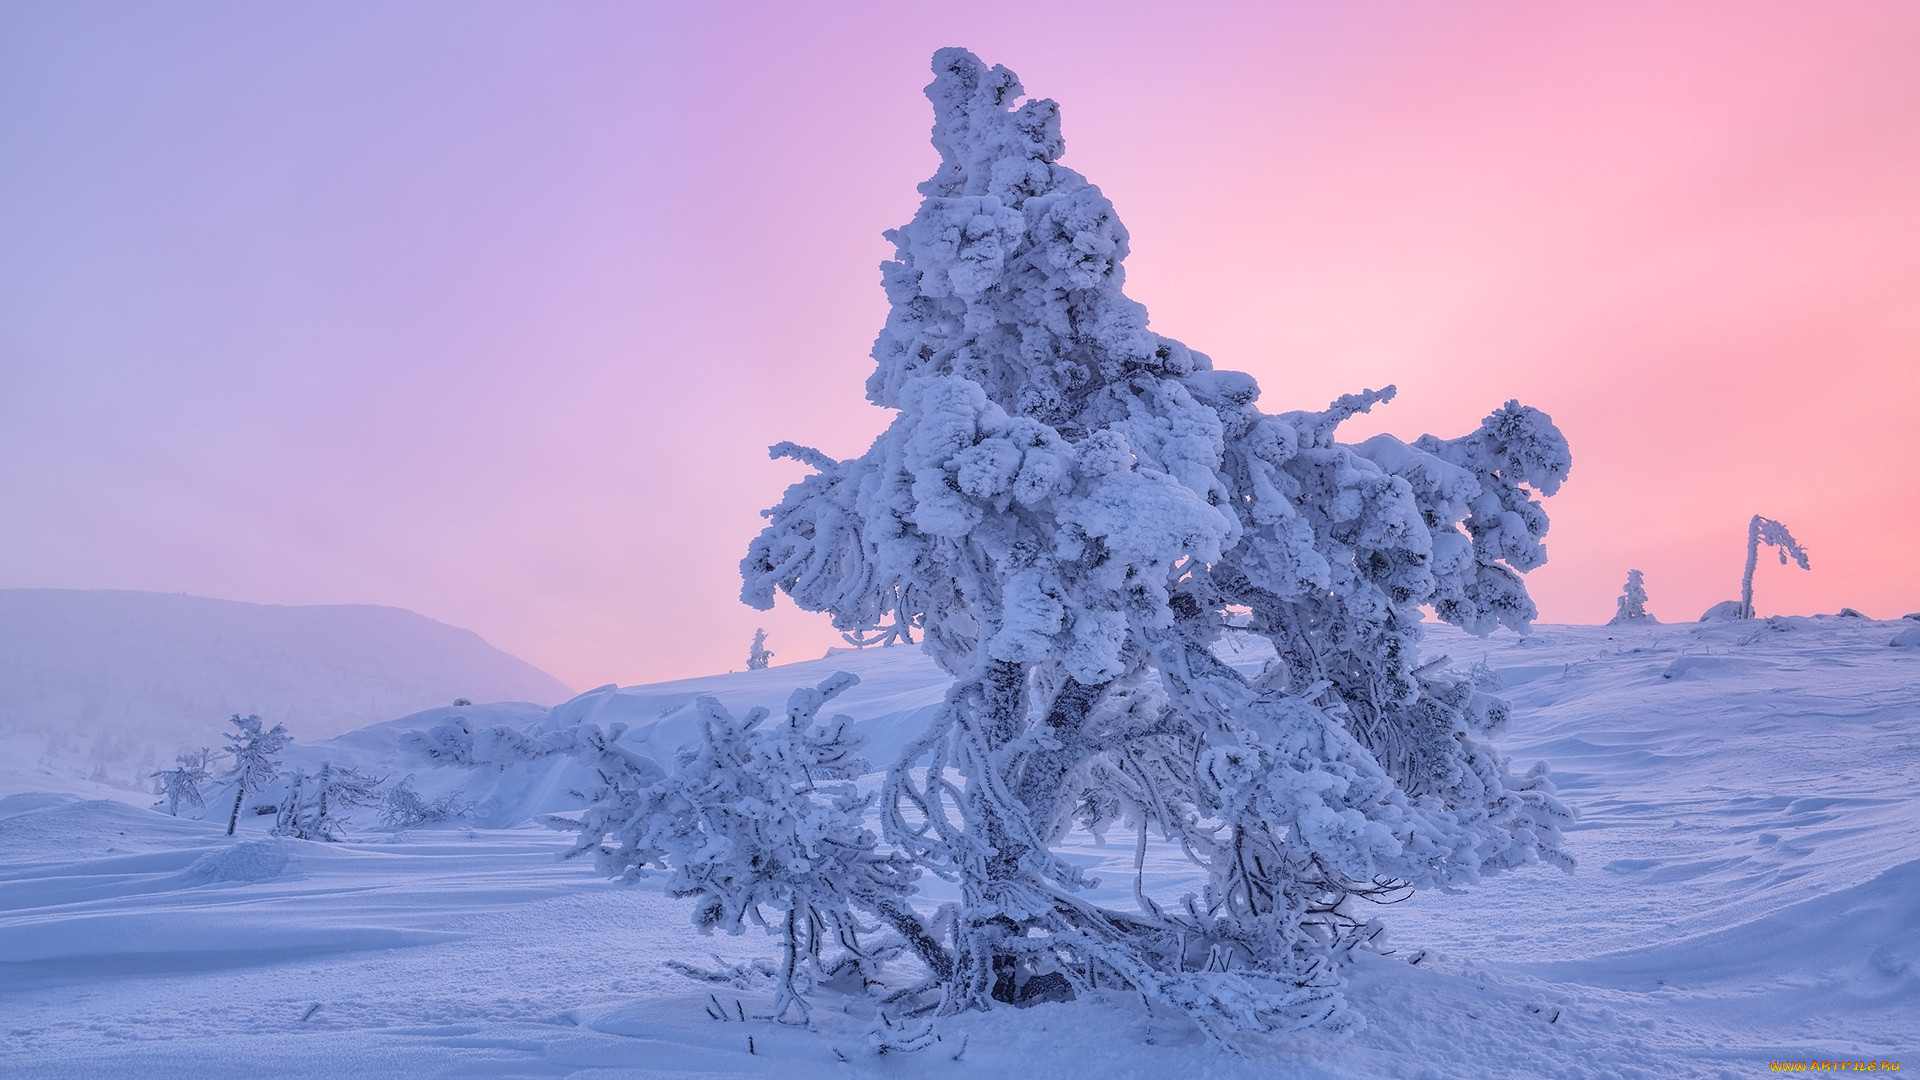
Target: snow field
{"x":1748,"y":890}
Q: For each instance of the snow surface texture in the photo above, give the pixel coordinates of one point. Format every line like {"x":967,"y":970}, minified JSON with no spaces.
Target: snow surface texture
{"x":1748,"y":890}
{"x":111,"y":684}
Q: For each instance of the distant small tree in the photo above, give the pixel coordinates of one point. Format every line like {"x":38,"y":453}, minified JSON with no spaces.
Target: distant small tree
{"x":255,"y":761}
{"x":758,"y":655}
{"x":1632,"y":605}
{"x":1767,"y":531}
{"x":182,"y":784}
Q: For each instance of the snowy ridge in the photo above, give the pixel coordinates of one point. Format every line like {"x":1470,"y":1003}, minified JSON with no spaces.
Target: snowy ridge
{"x":112,"y":684}
{"x":1745,"y":892}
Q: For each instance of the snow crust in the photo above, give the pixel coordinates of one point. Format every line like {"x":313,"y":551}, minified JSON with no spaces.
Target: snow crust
{"x":1747,"y":890}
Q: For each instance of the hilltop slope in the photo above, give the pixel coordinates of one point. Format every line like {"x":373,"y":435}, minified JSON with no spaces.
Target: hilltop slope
{"x":110,"y":682}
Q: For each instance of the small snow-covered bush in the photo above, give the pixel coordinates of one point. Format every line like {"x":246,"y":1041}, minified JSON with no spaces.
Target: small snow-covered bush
{"x":758,"y":823}
{"x":405,"y":808}
{"x":1071,"y":507}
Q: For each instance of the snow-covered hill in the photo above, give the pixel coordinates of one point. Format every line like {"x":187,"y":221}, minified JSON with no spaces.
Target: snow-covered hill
{"x":1746,"y":893}
{"x":109,"y":684}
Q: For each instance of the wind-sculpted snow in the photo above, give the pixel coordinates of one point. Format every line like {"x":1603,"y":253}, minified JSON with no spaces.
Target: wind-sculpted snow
{"x":1744,"y":893}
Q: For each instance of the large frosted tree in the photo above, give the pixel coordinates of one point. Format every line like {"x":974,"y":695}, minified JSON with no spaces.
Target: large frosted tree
{"x":1070,"y":505}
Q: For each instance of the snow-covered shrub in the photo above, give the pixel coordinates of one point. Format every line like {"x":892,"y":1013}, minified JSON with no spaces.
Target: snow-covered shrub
{"x":1766,"y":531}
{"x":405,"y":808}
{"x":255,"y":761}
{"x":1068,"y":504}
{"x":317,"y":803}
{"x":181,"y":784}
{"x":1632,"y":605}
{"x":758,"y":823}
{"x":758,"y":655}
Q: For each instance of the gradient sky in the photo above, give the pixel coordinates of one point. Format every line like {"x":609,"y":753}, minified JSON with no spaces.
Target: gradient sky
{"x":489,"y":310}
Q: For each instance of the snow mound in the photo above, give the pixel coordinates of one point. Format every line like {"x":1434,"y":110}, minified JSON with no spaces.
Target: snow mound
{"x":1907,"y":639}
{"x":249,"y":860}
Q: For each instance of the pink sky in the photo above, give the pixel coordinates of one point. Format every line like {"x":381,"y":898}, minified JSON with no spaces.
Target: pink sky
{"x":490,"y":310}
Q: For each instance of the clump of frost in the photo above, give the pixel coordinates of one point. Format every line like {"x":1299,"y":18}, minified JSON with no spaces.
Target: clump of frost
{"x":1070,"y":506}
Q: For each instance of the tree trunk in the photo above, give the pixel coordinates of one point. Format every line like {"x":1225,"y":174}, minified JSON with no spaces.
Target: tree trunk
{"x":321,"y":822}
{"x":233,"y":819}
{"x":1753,"y":560}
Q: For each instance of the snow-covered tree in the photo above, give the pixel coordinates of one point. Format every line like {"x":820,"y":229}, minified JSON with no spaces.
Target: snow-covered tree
{"x":255,"y":762}
{"x":1767,"y":531}
{"x":180,"y":785}
{"x":405,"y":808}
{"x":317,"y":803}
{"x":1068,"y":504}
{"x":758,"y":655}
{"x":758,"y":823}
{"x":1632,"y":605}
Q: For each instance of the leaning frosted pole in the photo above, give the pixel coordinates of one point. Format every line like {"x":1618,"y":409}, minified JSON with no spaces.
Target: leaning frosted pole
{"x":1763,"y":530}
{"x":1071,"y":506}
